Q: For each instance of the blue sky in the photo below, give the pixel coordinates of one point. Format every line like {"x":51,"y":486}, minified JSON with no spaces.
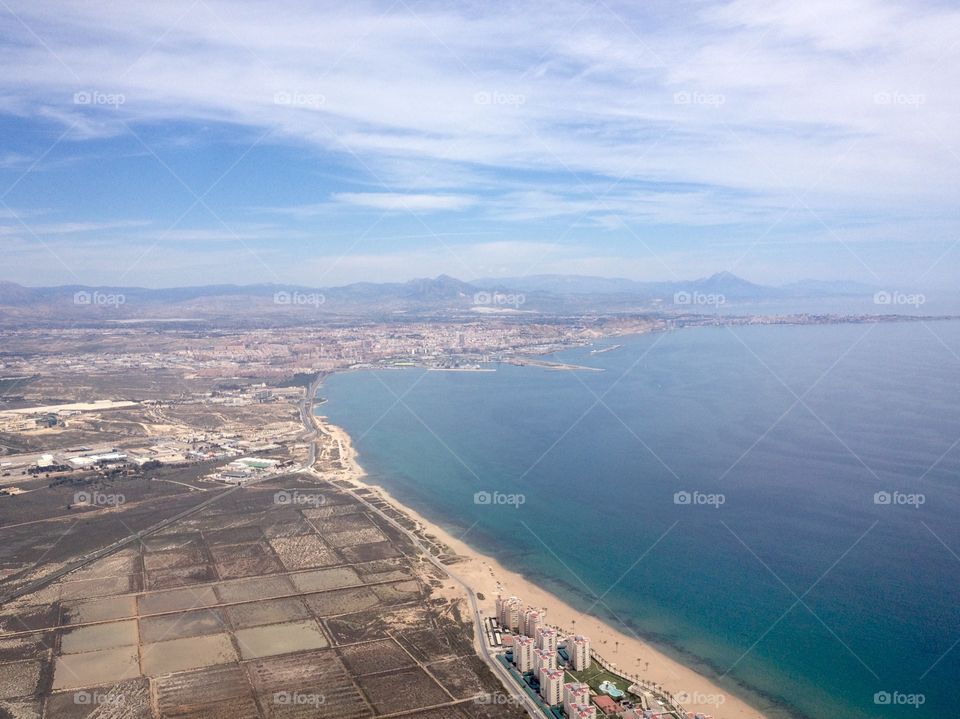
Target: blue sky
{"x":199,"y":141}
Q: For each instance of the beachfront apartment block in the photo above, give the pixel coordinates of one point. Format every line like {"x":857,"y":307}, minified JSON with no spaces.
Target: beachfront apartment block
{"x":551,"y":686}
{"x":574,"y":694}
{"x":582,"y":711}
{"x":578,"y":649}
{"x":532,"y":621}
{"x":509,"y":613}
{"x":544,"y":659}
{"x":547,"y":639}
{"x":523,"y":654}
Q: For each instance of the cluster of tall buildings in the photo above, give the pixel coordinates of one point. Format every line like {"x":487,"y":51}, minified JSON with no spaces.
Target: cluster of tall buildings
{"x":535,"y":649}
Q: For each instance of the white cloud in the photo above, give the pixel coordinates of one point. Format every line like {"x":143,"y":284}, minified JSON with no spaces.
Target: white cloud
{"x":404,"y":202}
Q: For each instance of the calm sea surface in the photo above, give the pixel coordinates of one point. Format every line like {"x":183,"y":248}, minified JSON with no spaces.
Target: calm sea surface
{"x":713,"y":490}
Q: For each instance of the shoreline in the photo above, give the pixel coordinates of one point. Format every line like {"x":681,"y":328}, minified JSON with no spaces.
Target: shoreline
{"x":487,"y":576}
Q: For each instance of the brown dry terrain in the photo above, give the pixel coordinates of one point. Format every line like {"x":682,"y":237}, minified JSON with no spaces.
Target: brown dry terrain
{"x":247,"y":609}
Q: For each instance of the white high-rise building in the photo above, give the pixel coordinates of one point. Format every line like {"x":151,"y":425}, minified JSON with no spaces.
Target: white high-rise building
{"x":578,"y":649}
{"x":551,"y":686}
{"x":547,"y":639}
{"x":532,"y":621}
{"x":523,"y":654}
{"x":582,"y":711}
{"x":543,"y":659}
{"x":509,"y":612}
{"x":575,"y":694}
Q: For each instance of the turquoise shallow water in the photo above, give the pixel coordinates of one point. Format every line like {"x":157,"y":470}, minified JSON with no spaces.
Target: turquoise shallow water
{"x":799,"y":589}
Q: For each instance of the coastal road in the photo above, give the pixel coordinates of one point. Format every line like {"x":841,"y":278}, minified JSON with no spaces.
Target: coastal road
{"x":517,"y":692}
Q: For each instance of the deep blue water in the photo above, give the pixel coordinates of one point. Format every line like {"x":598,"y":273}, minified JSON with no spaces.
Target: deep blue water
{"x":799,"y":589}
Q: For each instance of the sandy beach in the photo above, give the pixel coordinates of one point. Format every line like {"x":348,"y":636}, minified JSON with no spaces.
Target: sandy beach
{"x":488,"y":577}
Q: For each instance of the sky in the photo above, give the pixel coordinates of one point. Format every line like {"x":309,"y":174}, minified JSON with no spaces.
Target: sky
{"x":194,"y":142}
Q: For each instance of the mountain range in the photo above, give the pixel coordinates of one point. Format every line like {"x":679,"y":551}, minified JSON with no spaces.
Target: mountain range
{"x":534,"y":294}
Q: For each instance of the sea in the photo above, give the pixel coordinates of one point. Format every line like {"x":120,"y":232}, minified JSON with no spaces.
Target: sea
{"x":776,"y":506}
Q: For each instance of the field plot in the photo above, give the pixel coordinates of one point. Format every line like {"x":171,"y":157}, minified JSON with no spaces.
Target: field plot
{"x":272,"y":639}
{"x":107,"y":586}
{"x":342,"y":601}
{"x":256,"y":566}
{"x":240,"y":534}
{"x":28,"y":618}
{"x":370,"y":624}
{"x":29,"y":646}
{"x":180,"y":577}
{"x":179,"y":654}
{"x":315,"y":674}
{"x":99,"y":636}
{"x":402,"y":691}
{"x":460,"y":676}
{"x":181,"y":625}
{"x":125,"y":700}
{"x":253,"y":588}
{"x":177,"y":600}
{"x":99,"y":610}
{"x":214,"y":693}
{"x":303,"y":551}
{"x":123,"y":563}
{"x":19,"y":679}
{"x":272,"y":611}
{"x":94,"y":668}
{"x":325,"y":579}
{"x":172,"y":558}
{"x":374,"y":657}
{"x":368,"y":552}
{"x":350,"y":537}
